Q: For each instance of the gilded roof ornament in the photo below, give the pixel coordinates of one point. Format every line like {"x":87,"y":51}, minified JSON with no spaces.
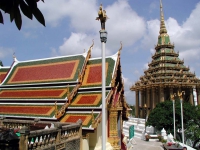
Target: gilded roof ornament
{"x":92,"y":44}
{"x":102,"y":17}
{"x":120,"y":48}
{"x":163,"y":29}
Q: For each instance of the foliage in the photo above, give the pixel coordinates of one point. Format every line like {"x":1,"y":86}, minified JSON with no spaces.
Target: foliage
{"x":132,"y":113}
{"x":160,"y":138}
{"x":163,"y":141}
{"x":15,"y":7}
{"x":193,"y":129}
{"x":162,"y":116}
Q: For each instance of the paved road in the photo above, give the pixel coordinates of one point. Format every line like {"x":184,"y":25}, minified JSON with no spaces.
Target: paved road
{"x":139,"y":144}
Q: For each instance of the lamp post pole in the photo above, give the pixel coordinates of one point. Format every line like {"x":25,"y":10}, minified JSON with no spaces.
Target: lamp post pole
{"x":145,"y":113}
{"x":174,"y":119}
{"x":103,"y":37}
{"x":172,"y":97}
{"x":180,"y":94}
{"x":181,"y":101}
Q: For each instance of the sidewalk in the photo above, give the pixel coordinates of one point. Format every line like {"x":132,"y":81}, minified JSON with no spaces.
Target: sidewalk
{"x":139,"y":144}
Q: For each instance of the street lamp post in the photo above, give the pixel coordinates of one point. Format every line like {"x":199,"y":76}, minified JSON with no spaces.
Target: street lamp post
{"x":180,"y":95}
{"x":172,"y":97}
{"x":145,"y":114}
{"x":103,"y":37}
{"x":145,"y":108}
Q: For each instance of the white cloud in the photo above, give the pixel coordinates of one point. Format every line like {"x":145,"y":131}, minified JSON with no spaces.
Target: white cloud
{"x":75,"y":44}
{"x":130,"y":95}
{"x":81,"y":15}
{"x":124,"y":25}
{"x":146,"y":66}
{"x":5,"y":52}
{"x":151,"y":36}
{"x":194,"y":54}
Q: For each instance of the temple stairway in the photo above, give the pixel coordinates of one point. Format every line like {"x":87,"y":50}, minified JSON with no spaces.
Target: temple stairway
{"x":139,"y":127}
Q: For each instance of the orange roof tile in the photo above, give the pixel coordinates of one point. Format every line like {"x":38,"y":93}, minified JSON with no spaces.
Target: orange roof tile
{"x":45,"y":71}
{"x":27,"y":110}
{"x":87,"y":100}
{"x":50,"y":93}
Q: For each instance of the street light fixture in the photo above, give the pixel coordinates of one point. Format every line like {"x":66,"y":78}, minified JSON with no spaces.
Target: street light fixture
{"x":145,"y":108}
{"x":103,"y":37}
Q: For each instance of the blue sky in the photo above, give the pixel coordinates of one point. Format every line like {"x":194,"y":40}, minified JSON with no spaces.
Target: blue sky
{"x":71,"y":27}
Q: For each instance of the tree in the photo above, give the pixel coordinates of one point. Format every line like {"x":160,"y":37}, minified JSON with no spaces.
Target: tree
{"x":193,"y":130}
{"x":15,"y":7}
{"x":133,"y":110}
{"x":162,"y":116}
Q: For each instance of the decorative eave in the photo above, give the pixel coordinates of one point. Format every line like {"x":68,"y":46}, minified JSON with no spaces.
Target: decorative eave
{"x":82,"y":72}
{"x":159,"y":46}
{"x":188,"y":84}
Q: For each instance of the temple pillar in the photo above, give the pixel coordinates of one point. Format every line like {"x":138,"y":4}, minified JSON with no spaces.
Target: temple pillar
{"x":148,"y":99}
{"x":162,"y":94}
{"x":198,"y":96}
{"x":113,"y":127}
{"x":136,"y":103}
{"x":153,"y":99}
{"x":191,"y":100}
{"x":141,"y":103}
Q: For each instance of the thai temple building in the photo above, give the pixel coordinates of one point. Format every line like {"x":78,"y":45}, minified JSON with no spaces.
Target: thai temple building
{"x":66,"y":89}
{"x":166,"y":75}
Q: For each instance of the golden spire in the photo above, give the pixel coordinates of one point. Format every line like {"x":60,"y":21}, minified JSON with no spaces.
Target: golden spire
{"x":162,"y":20}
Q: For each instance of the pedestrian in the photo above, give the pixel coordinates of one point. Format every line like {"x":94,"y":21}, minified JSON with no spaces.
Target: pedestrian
{"x":184,"y":148}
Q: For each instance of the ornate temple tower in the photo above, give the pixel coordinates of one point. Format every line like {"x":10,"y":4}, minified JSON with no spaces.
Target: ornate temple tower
{"x":166,"y":75}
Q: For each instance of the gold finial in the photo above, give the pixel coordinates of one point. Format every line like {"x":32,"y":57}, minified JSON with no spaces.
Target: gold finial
{"x":162,"y":21}
{"x":120,"y":48}
{"x":102,"y":17}
{"x":180,"y":94}
{"x":145,"y":105}
{"x":92,"y":44}
{"x":172,"y":97}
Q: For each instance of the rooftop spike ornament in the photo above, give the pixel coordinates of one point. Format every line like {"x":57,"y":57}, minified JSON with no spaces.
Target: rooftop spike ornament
{"x":163,"y":29}
{"x":102,"y":17}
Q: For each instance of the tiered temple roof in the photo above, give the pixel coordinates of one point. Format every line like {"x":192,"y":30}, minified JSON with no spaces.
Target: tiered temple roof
{"x":165,"y":78}
{"x":65,"y":89}
{"x":166,"y":69}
